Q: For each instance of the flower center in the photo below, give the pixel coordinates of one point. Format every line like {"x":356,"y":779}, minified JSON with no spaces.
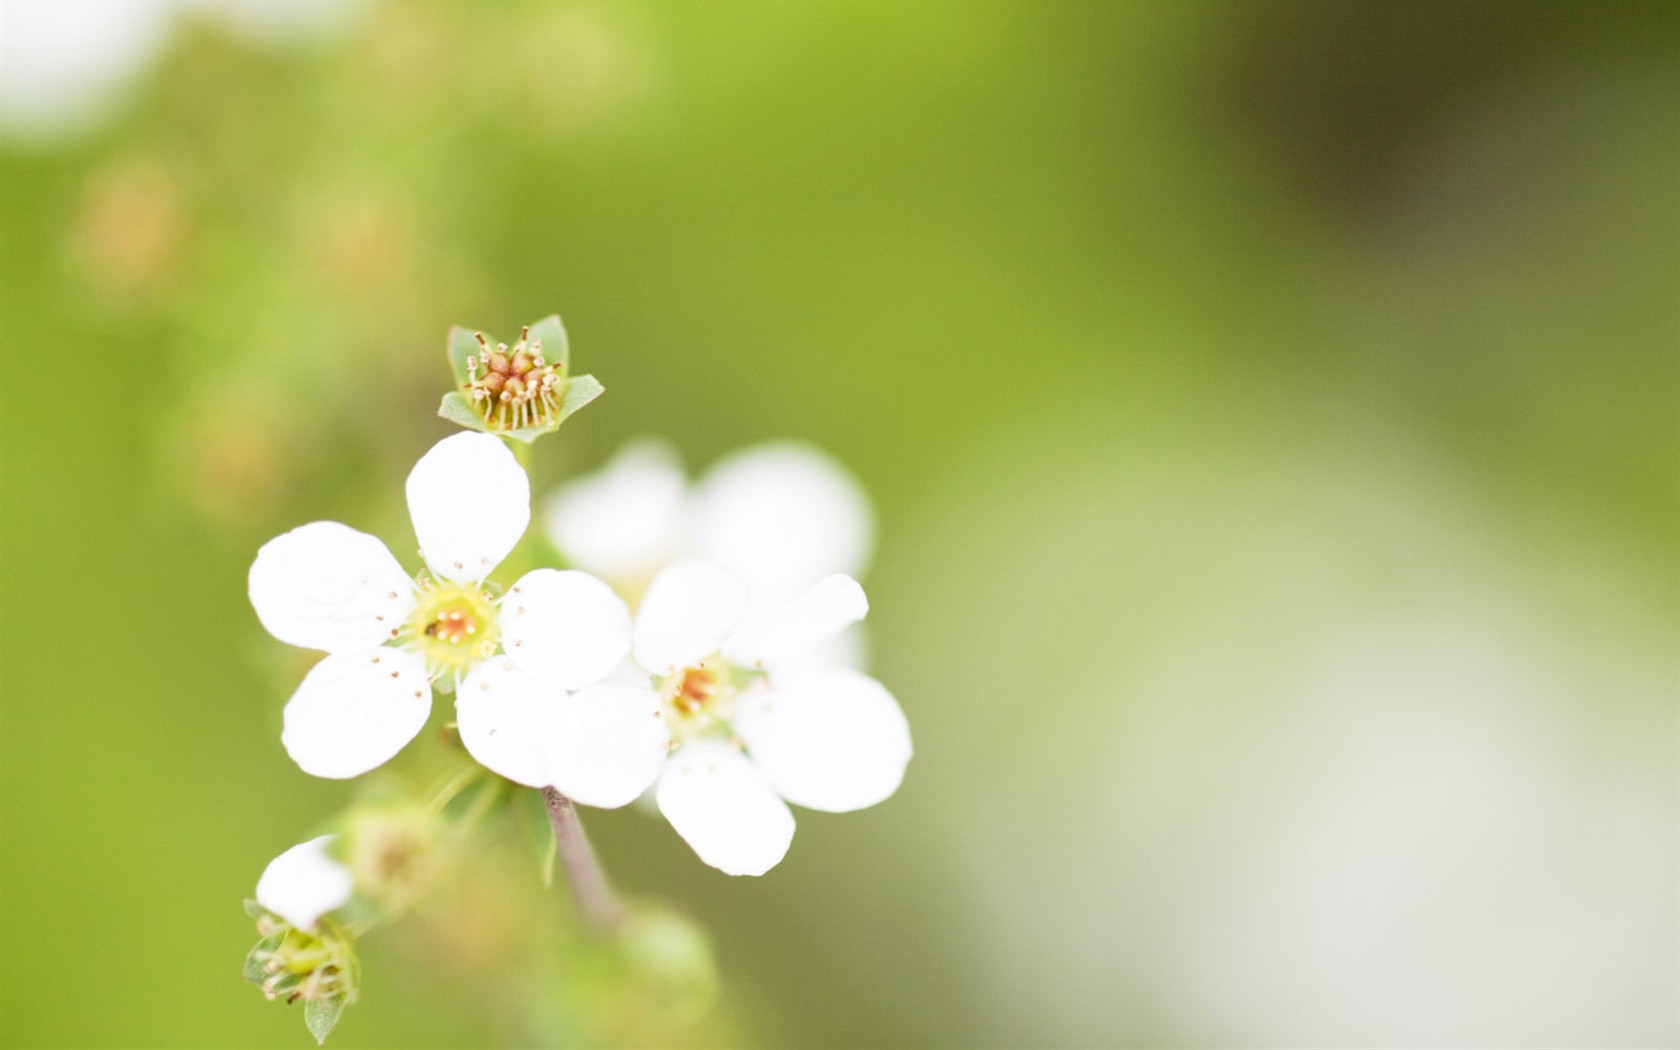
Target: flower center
{"x":695,"y":695}
{"x":312,"y":965}
{"x":514,"y":387}
{"x":454,"y":626}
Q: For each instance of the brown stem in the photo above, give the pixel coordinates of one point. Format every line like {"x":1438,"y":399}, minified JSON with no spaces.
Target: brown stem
{"x":595,"y":899}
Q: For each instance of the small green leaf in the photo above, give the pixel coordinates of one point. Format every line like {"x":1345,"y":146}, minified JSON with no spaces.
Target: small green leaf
{"x":254,"y":910}
{"x":552,"y":334}
{"x":580,"y":390}
{"x":458,"y":410}
{"x":321,"y":1016}
{"x":463,"y":343}
{"x":532,"y":815}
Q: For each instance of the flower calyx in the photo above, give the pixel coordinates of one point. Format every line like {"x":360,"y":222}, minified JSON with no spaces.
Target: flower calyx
{"x":316,"y":966}
{"x":516,"y":391}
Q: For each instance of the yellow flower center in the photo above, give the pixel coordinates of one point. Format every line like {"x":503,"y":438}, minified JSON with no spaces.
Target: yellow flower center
{"x":454,"y":626}
{"x":696,"y":695}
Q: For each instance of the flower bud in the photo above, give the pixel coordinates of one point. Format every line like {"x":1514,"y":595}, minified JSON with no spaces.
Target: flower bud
{"x":669,"y":959}
{"x":304,"y":956}
{"x":392,"y":851}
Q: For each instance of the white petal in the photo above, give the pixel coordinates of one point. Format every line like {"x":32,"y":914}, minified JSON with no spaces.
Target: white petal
{"x":304,"y":883}
{"x":723,"y":807}
{"x":607,"y":744}
{"x":848,"y":649}
{"x":787,"y":633}
{"x":688,"y":611}
{"x":829,"y":740}
{"x":625,"y":520}
{"x":327,"y":586}
{"x":629,"y":672}
{"x":503,"y":715}
{"x":782,"y":516}
{"x":567,"y":628}
{"x":353,"y":711}
{"x":470,"y":502}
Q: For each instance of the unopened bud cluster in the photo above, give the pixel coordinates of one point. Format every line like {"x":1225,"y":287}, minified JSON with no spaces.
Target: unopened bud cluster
{"x":513,"y":387}
{"x":392,"y":852}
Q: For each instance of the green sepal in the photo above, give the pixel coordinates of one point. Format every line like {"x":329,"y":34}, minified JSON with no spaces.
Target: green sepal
{"x":321,"y":1016}
{"x":525,"y":434}
{"x":580,"y":390}
{"x":463,"y":343}
{"x":552,"y":334}
{"x":254,"y":910}
{"x":282,"y":986}
{"x":255,"y":972}
{"x":458,"y":410}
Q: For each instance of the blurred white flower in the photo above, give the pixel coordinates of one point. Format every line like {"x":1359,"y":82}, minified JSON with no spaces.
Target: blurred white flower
{"x":780,"y":516}
{"x":1358,"y":763}
{"x":626,"y":520}
{"x":750,"y":724}
{"x":388,"y":637}
{"x":304,"y":883}
{"x":62,"y":63}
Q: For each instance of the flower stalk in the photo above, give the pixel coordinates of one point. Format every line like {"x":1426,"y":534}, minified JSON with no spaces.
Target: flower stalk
{"x":596,"y":901}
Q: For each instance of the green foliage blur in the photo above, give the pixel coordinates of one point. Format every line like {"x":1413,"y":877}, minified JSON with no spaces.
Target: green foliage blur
{"x":1269,"y":409}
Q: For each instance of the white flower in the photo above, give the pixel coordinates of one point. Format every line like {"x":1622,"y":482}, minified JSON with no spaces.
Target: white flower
{"x":511,"y":658}
{"x":62,"y":64}
{"x":304,"y":883}
{"x":750,"y":725}
{"x":779,"y":516}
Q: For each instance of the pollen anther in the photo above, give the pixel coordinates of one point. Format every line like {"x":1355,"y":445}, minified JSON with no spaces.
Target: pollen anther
{"x":453,"y":626}
{"x":514,"y":387}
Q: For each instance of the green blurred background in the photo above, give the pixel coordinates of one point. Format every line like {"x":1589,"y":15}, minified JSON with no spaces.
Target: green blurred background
{"x":1269,"y":409}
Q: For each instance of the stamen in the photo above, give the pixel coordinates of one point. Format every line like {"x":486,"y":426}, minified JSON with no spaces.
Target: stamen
{"x":453,"y":626}
{"x":515,"y":387}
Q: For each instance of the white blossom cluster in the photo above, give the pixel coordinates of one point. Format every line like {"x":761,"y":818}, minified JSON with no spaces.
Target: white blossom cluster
{"x":701,"y":647}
